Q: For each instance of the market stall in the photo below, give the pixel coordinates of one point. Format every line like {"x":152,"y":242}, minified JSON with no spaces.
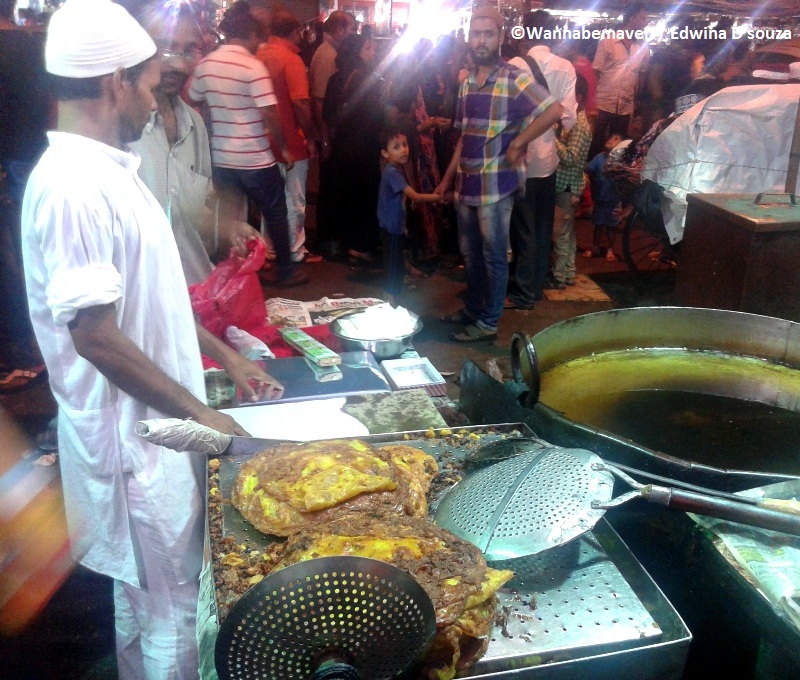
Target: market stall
{"x":588,"y":607}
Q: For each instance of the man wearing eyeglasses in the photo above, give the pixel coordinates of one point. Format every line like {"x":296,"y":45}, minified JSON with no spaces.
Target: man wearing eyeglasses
{"x":176,"y":157}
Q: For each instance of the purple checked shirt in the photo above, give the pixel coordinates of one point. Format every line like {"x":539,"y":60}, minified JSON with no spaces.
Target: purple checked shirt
{"x":490,"y":117}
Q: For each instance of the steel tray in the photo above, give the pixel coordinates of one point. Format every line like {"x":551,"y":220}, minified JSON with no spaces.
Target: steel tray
{"x":585,"y":609}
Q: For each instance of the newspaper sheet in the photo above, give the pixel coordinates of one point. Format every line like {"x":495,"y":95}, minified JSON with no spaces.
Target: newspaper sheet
{"x":283,"y":312}
{"x":768,"y":559}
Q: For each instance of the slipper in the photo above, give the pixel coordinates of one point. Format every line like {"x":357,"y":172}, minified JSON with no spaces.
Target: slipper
{"x":509,"y":304}
{"x":460,"y":317}
{"x":21,"y":378}
{"x":473,"y":333}
{"x":411,"y":270}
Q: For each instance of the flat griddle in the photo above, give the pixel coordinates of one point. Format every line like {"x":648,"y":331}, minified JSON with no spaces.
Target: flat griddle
{"x":588,"y":604}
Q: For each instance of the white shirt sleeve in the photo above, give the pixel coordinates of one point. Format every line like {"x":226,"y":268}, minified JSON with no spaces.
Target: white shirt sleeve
{"x":570,"y":115}
{"x":78,"y":244}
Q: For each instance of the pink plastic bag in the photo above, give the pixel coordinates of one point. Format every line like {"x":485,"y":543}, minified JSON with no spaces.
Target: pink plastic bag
{"x":232,"y":295}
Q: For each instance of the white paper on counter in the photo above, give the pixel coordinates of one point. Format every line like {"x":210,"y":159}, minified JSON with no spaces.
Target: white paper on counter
{"x":299,"y":421}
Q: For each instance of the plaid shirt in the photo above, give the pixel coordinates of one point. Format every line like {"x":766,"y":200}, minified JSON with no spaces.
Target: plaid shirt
{"x":572,"y":149}
{"x":490,"y":117}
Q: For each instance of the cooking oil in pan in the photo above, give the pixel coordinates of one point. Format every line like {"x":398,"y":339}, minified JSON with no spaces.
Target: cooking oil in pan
{"x":713,"y":408}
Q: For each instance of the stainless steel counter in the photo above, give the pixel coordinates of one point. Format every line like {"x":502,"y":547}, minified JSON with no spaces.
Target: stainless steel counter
{"x":586,"y":609}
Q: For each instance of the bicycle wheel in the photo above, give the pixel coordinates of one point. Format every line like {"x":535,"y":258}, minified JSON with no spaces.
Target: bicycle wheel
{"x":647,"y":250}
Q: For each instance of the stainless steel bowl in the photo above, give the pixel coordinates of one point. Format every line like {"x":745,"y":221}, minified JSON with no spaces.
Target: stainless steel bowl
{"x":385,"y":348}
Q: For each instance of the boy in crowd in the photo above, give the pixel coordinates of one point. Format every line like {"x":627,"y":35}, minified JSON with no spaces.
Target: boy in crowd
{"x":605,"y":213}
{"x":391,"y":209}
{"x":572,"y":149}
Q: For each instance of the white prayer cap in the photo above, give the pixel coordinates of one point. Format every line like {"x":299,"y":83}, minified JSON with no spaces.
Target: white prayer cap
{"x":88,"y":38}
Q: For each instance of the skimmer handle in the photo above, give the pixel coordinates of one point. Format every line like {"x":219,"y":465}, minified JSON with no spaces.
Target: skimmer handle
{"x":335,"y":670}
{"x":722,"y":508}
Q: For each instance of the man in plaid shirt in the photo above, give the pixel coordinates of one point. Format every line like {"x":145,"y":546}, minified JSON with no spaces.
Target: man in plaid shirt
{"x":495,"y":107}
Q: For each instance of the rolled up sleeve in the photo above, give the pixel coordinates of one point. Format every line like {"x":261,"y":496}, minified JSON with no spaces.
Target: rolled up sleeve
{"x":531,"y":97}
{"x":71,"y":290}
{"x":78,"y":245}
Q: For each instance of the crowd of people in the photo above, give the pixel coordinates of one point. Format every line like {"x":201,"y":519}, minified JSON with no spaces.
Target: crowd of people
{"x":160,"y":145}
{"x":318,"y":96}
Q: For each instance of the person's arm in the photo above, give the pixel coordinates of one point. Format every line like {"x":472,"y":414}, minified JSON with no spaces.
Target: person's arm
{"x":319,"y":78}
{"x":543,"y":122}
{"x":600,"y":57}
{"x":272,"y":125}
{"x":421,"y":198}
{"x":299,"y":88}
{"x":302,"y":112}
{"x":568,"y":101}
{"x":450,"y":173}
{"x":220,"y":232}
{"x":322,"y":126}
{"x":239,"y":369}
{"x":98,"y":339}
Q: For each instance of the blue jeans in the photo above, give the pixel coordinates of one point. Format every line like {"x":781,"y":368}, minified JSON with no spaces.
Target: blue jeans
{"x":265,"y":187}
{"x":483,"y":240}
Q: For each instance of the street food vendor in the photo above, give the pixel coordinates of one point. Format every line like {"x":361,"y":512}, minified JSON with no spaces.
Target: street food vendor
{"x":111,"y":311}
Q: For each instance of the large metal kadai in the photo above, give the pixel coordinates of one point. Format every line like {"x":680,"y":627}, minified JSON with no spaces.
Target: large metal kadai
{"x":545,"y":498}
{"x":333,"y":618}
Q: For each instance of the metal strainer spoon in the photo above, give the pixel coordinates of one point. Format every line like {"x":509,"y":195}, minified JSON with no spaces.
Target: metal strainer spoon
{"x":332,"y":618}
{"x":544,"y":498}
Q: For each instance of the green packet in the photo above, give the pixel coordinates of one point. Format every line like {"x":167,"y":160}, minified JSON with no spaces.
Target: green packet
{"x":311,"y":349}
{"x":324,"y":373}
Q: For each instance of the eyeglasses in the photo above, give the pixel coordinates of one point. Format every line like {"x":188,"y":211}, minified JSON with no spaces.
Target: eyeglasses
{"x":192,"y":54}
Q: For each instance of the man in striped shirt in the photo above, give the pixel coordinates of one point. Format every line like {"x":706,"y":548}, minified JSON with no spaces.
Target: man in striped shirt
{"x":236,"y":89}
{"x":495,"y":106}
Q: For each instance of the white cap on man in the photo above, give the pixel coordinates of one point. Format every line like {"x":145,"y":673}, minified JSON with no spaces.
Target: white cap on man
{"x":90,"y":38}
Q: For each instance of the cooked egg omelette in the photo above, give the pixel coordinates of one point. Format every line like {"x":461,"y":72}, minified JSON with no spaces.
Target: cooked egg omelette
{"x":453,"y":572}
{"x":288,"y":487}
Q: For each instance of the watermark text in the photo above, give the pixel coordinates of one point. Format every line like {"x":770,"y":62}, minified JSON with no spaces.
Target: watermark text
{"x":673,"y":33}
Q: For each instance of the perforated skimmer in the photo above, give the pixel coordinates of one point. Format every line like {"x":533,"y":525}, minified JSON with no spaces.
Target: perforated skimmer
{"x":526,"y":504}
{"x":544,"y":498}
{"x":339,"y":618}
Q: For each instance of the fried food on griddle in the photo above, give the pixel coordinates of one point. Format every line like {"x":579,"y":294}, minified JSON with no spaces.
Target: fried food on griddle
{"x":288,"y":487}
{"x":453,"y":572}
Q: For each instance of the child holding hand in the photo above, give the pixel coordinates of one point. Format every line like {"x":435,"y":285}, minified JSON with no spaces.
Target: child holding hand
{"x":393,"y":190}
{"x":606,"y":210}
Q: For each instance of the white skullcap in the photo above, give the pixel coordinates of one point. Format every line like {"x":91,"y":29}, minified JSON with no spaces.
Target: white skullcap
{"x":88,"y":38}
{"x":794,"y":70}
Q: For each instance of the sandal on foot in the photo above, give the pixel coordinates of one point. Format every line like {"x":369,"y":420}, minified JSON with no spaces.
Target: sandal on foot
{"x":473,"y":333}
{"x":20,"y":378}
{"x":510,"y":304}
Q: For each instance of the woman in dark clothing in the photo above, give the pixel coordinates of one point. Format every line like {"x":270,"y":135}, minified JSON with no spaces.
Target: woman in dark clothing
{"x":333,"y":203}
{"x":348,"y":59}
{"x":355,"y":153}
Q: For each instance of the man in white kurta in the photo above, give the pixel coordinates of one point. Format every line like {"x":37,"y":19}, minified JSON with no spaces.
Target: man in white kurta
{"x":111,"y":312}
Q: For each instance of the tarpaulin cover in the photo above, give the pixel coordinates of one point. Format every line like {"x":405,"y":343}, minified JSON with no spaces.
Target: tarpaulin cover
{"x":735,"y":142}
